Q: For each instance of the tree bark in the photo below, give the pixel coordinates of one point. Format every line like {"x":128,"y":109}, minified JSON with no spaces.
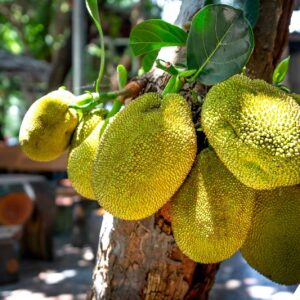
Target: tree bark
{"x":140,"y":259}
{"x":271,"y":36}
{"x":62,"y":61}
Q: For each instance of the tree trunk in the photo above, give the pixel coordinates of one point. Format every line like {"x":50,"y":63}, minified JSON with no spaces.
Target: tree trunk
{"x":140,"y":259}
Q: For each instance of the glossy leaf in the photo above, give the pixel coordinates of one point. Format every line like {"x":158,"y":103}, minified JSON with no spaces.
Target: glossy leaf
{"x":281,"y":71}
{"x":149,"y":60}
{"x":249,"y":7}
{"x":219,"y":44}
{"x":154,"y":34}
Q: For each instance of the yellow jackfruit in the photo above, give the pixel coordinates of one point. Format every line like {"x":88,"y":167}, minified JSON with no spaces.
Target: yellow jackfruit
{"x":212,"y":211}
{"x":144,"y":156}
{"x":273,"y":243}
{"x":47,"y":126}
{"x":254,"y":128}
{"x":82,"y":154}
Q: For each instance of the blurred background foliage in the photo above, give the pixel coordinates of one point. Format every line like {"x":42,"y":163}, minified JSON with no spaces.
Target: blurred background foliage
{"x":36,"y":50}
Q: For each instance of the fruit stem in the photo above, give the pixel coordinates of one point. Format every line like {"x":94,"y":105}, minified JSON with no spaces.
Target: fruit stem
{"x":166,"y":66}
{"x":116,"y":107}
{"x":174,"y":85}
{"x":102,"y":57}
{"x":118,"y":102}
{"x":88,"y":101}
{"x":97,"y":97}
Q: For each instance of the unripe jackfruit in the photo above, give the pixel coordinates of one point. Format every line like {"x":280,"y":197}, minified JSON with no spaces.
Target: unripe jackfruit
{"x":254,"y":128}
{"x":273,"y":243}
{"x":83,"y":152}
{"x":144,"y":156}
{"x":211,"y":212}
{"x":47,"y":126}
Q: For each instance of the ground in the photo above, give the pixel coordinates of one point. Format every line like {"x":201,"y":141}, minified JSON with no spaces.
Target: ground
{"x":69,"y":277}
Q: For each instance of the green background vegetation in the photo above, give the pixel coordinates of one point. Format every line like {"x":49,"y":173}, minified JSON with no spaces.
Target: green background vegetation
{"x":41,"y":31}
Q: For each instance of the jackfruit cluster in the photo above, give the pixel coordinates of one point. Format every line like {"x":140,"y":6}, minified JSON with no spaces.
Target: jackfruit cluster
{"x":254,"y":128}
{"x":212,"y":211}
{"x":82,"y":153}
{"x":48,"y":125}
{"x":239,"y":194}
{"x":272,"y":246}
{"x":144,"y":156}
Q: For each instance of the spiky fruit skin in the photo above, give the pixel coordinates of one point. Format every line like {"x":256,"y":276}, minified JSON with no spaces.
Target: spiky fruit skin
{"x":83,"y":150}
{"x":144,"y":156}
{"x":296,"y":97}
{"x":273,"y":243}
{"x":47,"y":126}
{"x":255,"y":130}
{"x":212,"y":211}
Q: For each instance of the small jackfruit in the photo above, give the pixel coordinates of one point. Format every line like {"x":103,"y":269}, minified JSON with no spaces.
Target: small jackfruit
{"x":144,"y":156}
{"x":273,"y":243}
{"x":83,"y":149}
{"x":47,"y":126}
{"x":212,"y":211}
{"x":254,"y":128}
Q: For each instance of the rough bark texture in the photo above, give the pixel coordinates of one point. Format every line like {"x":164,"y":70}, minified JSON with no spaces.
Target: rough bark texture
{"x":271,"y":35}
{"x":141,"y":262}
{"x":140,"y":259}
{"x":62,"y":60}
{"x":61,"y":65}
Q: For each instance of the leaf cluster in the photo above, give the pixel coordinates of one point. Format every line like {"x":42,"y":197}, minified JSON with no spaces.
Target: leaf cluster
{"x":219,"y":42}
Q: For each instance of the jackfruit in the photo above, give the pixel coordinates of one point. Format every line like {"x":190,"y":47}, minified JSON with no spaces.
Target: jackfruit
{"x":212,"y":211}
{"x":254,"y":128}
{"x":273,"y":243}
{"x":48,"y":125}
{"x":144,"y":156}
{"x":83,"y":149}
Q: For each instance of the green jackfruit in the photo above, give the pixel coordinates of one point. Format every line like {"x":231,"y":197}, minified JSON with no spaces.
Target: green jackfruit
{"x":211,"y":212}
{"x":144,"y":156}
{"x":83,"y":152}
{"x":273,"y":243}
{"x":47,"y":126}
{"x":254,"y":128}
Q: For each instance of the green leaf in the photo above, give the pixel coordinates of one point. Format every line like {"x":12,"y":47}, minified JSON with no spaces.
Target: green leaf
{"x":149,"y":60}
{"x":154,"y":34}
{"x":249,"y":7}
{"x":122,"y":76}
{"x":219,"y":44}
{"x":92,"y":7}
{"x":280,"y":71}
